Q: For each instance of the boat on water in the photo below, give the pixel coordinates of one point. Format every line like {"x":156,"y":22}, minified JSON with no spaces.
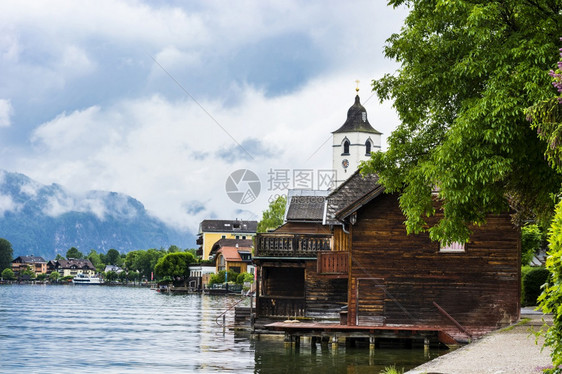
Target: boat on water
{"x":84,"y":279}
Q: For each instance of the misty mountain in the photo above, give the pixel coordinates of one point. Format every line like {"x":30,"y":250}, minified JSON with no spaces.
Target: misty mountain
{"x":44,"y":220}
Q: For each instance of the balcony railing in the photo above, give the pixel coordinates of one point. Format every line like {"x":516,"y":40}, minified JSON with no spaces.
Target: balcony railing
{"x":281,"y":306}
{"x":333,"y":263}
{"x":292,"y":245}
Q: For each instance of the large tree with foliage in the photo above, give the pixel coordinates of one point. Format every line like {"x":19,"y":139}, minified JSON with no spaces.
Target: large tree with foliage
{"x":74,"y":253}
{"x":273,"y":216}
{"x":6,"y":253}
{"x":113,"y":257}
{"x":174,"y":265}
{"x":468,"y":70}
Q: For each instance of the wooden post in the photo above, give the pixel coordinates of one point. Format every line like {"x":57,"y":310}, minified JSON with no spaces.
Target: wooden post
{"x":223,"y":324}
{"x":287,"y":340}
{"x":371,"y":344}
{"x":335,"y":344}
{"x":426,"y":347}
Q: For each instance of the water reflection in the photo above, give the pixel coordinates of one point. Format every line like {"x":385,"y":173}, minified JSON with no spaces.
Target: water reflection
{"x":73,"y":329}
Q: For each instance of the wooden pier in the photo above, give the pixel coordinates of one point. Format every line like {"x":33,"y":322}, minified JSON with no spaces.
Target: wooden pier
{"x":294,"y":330}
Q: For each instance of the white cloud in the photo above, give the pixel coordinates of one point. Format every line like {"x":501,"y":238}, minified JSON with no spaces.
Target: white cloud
{"x":129,"y":128}
{"x":6,"y":112}
{"x":7,"y":205}
{"x":149,"y":147}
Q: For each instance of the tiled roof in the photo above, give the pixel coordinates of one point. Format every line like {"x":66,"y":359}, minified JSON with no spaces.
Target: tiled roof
{"x":245,"y":244}
{"x":219,"y":225}
{"x":305,"y":205}
{"x":230,"y":253}
{"x":351,"y":190}
{"x":30,"y":259}
{"x":78,"y":263}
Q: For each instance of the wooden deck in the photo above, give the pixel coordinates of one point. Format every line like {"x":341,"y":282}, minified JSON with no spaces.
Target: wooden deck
{"x":427,"y":333}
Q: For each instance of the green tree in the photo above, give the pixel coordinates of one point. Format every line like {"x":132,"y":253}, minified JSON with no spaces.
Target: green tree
{"x":123,"y":277}
{"x":6,"y":253}
{"x":174,"y":265}
{"x":8,"y":274}
{"x":94,"y":258}
{"x":468,"y":69}
{"x":174,"y":248}
{"x":54,"y":277}
{"x":28,"y":272}
{"x":133,"y":276}
{"x":59,"y":257}
{"x":74,"y":253}
{"x":145,"y":261}
{"x":113,"y":257}
{"x":272,"y":218}
{"x":110,"y":276}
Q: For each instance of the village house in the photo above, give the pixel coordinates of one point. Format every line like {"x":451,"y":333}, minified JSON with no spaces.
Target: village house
{"x":36,"y":264}
{"x":346,"y":257}
{"x":72,"y":267}
{"x":233,"y":255}
{"x":212,"y":230}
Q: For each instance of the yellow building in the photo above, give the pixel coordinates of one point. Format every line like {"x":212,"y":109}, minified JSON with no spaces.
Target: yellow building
{"x":37,"y":264}
{"x":212,"y":230}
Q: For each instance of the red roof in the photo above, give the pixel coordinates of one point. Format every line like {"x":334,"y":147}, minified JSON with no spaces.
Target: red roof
{"x":230,"y":253}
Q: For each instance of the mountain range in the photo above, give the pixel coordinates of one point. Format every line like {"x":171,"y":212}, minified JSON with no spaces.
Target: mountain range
{"x":46,"y":220}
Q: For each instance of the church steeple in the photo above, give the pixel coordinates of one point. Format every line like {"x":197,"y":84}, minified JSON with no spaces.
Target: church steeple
{"x":357,"y":120}
{"x":353,"y":142}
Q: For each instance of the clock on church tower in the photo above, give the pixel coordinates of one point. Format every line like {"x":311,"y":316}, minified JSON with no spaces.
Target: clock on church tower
{"x":353,"y":142}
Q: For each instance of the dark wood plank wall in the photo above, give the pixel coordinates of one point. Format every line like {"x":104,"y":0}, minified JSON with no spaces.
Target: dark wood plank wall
{"x":341,"y":239}
{"x":480,"y":287}
{"x":324,"y":296}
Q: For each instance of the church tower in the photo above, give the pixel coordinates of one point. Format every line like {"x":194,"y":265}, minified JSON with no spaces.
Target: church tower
{"x":353,"y":142}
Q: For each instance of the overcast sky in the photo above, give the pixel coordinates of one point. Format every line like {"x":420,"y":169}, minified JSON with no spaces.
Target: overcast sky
{"x":163,"y":100}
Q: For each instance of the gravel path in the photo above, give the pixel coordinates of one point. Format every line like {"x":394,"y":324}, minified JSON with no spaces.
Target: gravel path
{"x":511,"y":350}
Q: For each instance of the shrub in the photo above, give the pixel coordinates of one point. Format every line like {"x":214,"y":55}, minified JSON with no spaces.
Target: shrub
{"x":524,"y":270}
{"x":244,"y":277}
{"x":551,"y":299}
{"x":219,"y":277}
{"x":532,"y":283}
{"x":8,"y":274}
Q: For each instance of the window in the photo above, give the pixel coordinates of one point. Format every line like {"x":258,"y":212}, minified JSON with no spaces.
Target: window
{"x":224,"y":236}
{"x":368,"y":147}
{"x":237,"y":236}
{"x":346,"y":147}
{"x":244,"y":237}
{"x":452,"y":247}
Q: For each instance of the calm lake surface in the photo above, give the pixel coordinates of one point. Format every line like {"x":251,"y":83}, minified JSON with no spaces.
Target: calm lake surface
{"x":87,"y":329}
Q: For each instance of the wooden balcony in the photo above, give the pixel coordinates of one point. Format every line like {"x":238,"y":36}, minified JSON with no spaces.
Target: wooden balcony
{"x":333,"y":264}
{"x":280,"y":306}
{"x":291,"y":245}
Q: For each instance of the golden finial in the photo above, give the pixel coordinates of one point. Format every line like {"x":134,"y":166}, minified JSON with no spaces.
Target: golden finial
{"x":357,"y":88}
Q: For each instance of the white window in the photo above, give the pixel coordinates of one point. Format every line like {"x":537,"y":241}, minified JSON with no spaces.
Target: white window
{"x":451,"y":247}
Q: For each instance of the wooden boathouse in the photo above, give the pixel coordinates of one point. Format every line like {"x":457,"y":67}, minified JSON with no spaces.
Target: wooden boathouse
{"x":352,"y":270}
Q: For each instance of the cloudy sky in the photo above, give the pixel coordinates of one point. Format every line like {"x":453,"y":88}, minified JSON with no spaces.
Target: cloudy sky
{"x":163,"y":100}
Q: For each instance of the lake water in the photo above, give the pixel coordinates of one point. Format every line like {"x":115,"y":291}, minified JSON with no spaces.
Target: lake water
{"x":87,"y":329}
